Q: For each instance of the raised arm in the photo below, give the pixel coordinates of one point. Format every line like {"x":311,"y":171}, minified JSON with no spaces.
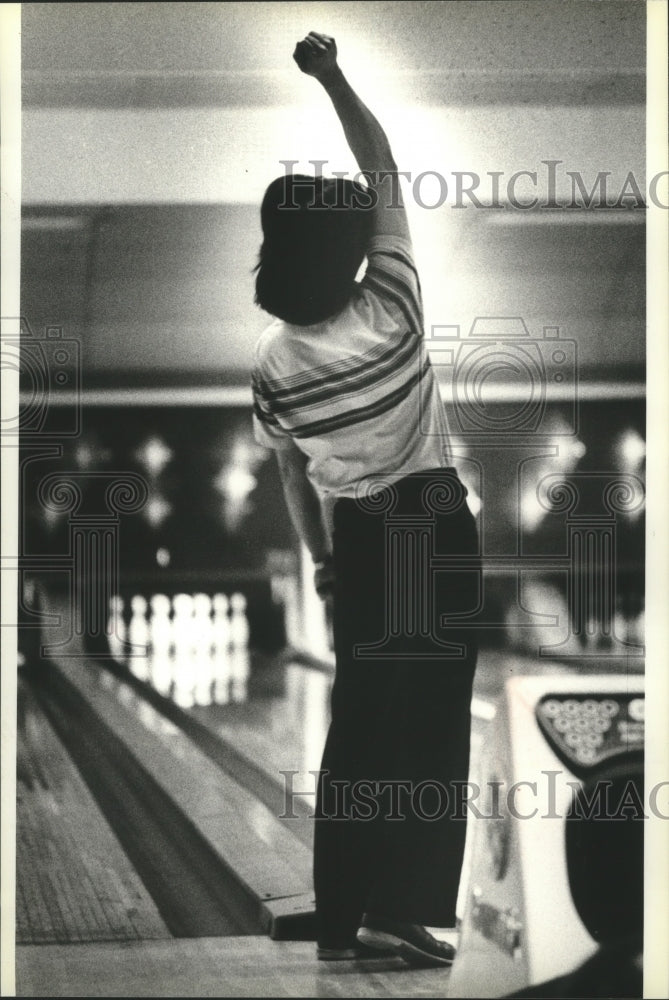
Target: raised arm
{"x":316,"y":56}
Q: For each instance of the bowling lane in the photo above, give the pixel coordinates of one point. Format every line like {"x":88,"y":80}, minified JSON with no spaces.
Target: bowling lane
{"x":190,"y":654}
{"x":103,"y":852}
{"x":281,"y":724}
{"x":74,"y":880}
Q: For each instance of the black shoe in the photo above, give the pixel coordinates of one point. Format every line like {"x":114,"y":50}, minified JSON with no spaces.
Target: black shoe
{"x":411,"y":941}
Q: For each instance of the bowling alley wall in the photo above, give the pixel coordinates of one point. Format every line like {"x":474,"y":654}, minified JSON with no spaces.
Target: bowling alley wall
{"x":141,"y":186}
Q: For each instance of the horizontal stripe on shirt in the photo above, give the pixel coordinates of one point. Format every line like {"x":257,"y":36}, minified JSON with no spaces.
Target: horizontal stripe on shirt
{"x":282,"y":388}
{"x":362,"y":413}
{"x":358,"y":377}
{"x":303,"y":378}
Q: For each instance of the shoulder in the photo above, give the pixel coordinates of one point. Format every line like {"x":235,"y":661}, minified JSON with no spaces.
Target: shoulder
{"x":391,"y":257}
{"x":269,"y":342}
{"x":391,"y":285}
{"x":392,"y":245}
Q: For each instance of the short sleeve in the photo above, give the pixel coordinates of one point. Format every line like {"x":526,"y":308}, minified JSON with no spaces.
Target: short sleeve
{"x":266,"y":428}
{"x":391,"y":278}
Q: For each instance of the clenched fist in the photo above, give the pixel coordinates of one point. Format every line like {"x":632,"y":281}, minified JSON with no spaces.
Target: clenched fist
{"x":316,"y":55}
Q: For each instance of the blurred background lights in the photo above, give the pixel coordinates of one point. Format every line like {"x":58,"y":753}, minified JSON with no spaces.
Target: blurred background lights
{"x":533,"y":512}
{"x":157,"y":510}
{"x":84,"y":455}
{"x":574,"y":450}
{"x":568,"y":451}
{"x":89,"y":453}
{"x":52,"y":517}
{"x":570,"y":448}
{"x":163,"y":557}
{"x":630,"y":450}
{"x":236,"y":481}
{"x":154,"y":455}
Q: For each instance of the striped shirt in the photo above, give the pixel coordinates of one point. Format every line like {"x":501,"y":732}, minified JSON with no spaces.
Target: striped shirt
{"x":355,"y":393}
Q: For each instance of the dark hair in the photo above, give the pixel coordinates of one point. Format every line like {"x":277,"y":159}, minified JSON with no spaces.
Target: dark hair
{"x":315,"y":236}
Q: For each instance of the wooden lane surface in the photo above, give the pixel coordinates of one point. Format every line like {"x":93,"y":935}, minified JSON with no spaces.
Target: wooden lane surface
{"x":74,"y":882}
{"x":215,"y":967}
{"x":264,"y":856}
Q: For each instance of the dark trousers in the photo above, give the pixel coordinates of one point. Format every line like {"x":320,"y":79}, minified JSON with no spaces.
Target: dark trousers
{"x":390,"y":827}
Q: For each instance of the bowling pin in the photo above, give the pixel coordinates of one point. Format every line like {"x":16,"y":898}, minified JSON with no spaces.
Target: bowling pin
{"x":138,"y":632}
{"x":620,"y":624}
{"x":239,"y":673}
{"x":183,"y":625}
{"x":202,"y":623}
{"x":138,"y":635}
{"x":202,"y":665}
{"x":221,"y":623}
{"x":637,"y":629}
{"x":239,"y":651}
{"x":160,"y":624}
{"x":221,"y":650}
{"x":116,"y":631}
{"x":183,"y":687}
{"x":221,"y":687}
{"x":161,"y":674}
{"x":239,"y":624}
{"x":184,"y":649}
